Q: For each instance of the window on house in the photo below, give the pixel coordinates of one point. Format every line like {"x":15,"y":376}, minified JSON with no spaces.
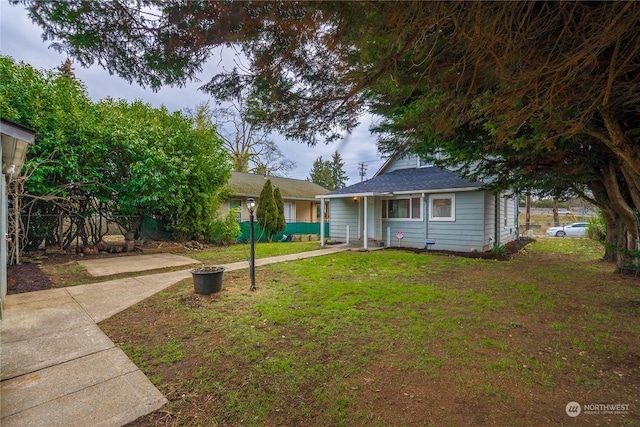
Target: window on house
{"x":434,"y":156}
{"x":402,"y":208}
{"x":442,"y":207}
{"x":236,"y":203}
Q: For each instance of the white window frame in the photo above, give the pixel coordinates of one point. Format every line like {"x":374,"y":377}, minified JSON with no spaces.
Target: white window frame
{"x":424,"y":164}
{"x":450,"y":196}
{"x":410,"y":198}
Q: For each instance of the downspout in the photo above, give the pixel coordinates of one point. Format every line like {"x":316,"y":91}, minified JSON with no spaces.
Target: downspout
{"x":516,"y":213}
{"x":497,"y":224}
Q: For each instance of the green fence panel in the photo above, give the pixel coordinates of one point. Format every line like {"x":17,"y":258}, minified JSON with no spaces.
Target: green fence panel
{"x":154,"y":230}
{"x":292,"y":228}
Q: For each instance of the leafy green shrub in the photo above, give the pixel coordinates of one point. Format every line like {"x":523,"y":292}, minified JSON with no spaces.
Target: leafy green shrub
{"x":500,"y":250}
{"x":597,"y":229}
{"x":227,"y":231}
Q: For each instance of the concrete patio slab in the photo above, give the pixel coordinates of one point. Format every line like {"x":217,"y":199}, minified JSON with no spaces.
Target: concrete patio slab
{"x":39,"y":387}
{"x":22,"y":357}
{"x":110,"y":403}
{"x":129,"y":264}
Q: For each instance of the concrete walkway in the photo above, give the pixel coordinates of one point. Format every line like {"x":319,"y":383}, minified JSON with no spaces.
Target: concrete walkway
{"x":133,"y":263}
{"x":59,"y":369}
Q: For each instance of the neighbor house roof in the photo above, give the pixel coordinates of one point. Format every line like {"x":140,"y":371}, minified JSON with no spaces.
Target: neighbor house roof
{"x":406,"y":181}
{"x":250,"y":185}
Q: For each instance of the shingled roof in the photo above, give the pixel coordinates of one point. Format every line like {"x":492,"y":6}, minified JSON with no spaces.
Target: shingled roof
{"x":426,"y":179}
{"x":250,"y":185}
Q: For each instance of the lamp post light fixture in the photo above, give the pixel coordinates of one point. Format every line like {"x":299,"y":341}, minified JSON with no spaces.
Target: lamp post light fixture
{"x":251,"y":205}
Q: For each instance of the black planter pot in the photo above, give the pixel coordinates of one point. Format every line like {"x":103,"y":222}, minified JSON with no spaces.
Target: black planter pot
{"x":207,"y":280}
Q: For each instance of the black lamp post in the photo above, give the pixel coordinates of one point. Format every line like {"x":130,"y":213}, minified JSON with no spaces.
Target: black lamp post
{"x":251,"y":205}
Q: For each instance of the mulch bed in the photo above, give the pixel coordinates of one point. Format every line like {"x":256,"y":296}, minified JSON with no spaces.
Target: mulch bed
{"x":26,"y":277}
{"x":511,"y":249}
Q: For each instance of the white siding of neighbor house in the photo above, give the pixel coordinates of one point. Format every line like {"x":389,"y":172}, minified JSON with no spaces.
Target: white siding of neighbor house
{"x":344,"y":212}
{"x":467,"y":231}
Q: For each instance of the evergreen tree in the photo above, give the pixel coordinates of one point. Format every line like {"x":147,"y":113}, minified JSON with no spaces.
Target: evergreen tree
{"x":282,"y":222}
{"x":338,"y":175}
{"x":321,"y":173}
{"x":267,"y":211}
{"x":329,"y":173}
{"x":66,"y":69}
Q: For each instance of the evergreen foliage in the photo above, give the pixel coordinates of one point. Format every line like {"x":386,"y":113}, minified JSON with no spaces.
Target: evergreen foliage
{"x":329,"y":173}
{"x":267,"y":211}
{"x":282,"y":221}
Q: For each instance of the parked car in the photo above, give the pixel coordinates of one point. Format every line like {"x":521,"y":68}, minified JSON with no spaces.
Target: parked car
{"x":577,"y":229}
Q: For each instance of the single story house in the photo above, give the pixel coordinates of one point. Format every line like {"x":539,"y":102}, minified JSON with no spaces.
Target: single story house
{"x":410,"y":203}
{"x":300,"y":202}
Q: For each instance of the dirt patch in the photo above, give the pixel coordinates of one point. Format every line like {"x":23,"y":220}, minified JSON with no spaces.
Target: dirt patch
{"x":26,"y":278}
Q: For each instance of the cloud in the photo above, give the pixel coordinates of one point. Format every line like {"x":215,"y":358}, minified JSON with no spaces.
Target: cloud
{"x":21,"y":39}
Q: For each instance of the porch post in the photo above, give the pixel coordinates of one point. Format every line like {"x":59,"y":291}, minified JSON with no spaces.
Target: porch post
{"x":321,"y":222}
{"x":366,"y":228}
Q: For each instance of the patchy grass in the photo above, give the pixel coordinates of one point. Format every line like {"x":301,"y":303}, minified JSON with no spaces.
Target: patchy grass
{"x":395,"y":338}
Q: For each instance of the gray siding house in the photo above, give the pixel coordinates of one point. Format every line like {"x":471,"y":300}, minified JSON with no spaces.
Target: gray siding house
{"x":424,"y":205}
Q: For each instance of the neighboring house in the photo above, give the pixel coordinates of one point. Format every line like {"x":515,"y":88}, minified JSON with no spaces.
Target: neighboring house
{"x":300,"y":202}
{"x":425,"y":204}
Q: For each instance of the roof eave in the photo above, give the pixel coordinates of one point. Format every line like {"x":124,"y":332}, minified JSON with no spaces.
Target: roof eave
{"x":349,"y":195}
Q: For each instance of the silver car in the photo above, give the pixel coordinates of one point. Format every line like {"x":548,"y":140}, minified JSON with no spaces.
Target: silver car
{"x":577,"y":229}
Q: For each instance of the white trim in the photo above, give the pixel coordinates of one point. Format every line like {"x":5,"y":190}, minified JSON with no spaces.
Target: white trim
{"x":437,"y":190}
{"x":351,"y":195}
{"x":365,"y":217}
{"x":398,"y":193}
{"x":451,"y":196}
{"x":322,"y":222}
{"x":420,"y":166}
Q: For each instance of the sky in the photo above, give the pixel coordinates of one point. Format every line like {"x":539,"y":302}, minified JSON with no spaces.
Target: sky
{"x":22,"y":40}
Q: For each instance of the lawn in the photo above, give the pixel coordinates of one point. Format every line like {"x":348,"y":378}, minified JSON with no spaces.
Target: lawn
{"x":393,"y":338}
